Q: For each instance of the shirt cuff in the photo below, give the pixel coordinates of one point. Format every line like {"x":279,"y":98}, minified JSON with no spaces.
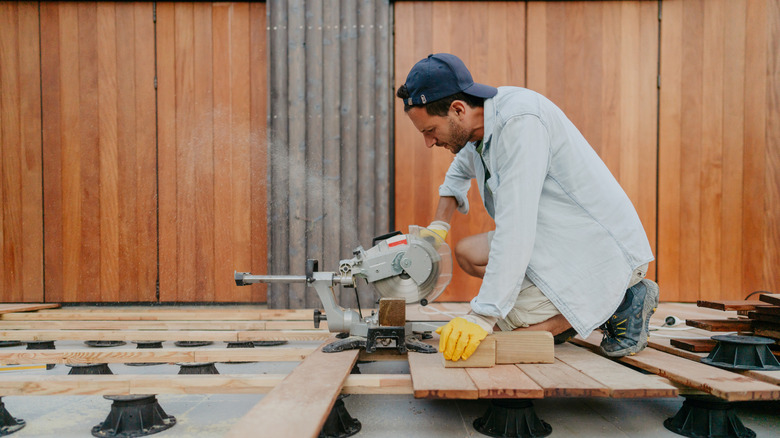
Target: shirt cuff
{"x":486,"y":322}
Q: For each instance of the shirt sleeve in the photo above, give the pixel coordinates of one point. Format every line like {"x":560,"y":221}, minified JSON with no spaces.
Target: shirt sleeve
{"x":521,"y":159}
{"x":457,"y":181}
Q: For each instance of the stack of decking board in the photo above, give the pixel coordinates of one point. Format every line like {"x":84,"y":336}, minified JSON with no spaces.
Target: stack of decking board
{"x":759,"y":317}
{"x":577,"y":371}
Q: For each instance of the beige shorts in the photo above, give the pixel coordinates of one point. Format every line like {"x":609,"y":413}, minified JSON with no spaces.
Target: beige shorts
{"x":533,"y":307}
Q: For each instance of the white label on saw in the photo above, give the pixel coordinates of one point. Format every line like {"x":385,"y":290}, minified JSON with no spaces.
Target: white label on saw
{"x":397,"y":240}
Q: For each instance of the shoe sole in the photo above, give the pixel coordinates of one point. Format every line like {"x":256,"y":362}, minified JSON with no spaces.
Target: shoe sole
{"x":649,"y":307}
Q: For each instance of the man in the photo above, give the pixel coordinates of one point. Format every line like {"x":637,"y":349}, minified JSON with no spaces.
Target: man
{"x":568,"y":252}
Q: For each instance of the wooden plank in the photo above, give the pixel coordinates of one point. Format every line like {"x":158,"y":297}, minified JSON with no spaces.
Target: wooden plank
{"x":161,"y":335}
{"x":310,"y":391}
{"x":721,"y":325}
{"x":153,"y":355}
{"x":770,"y":310}
{"x":160,"y":325}
{"x":12,"y":308}
{"x":773,"y":299}
{"x":766,"y":329}
{"x":392,"y":312}
{"x":665,"y":345}
{"x":764,"y":317}
{"x":483,"y":357}
{"x":524,"y":346}
{"x":431,"y":380}
{"x":167,"y":315}
{"x":560,"y":380}
{"x":186,"y":384}
{"x":622,"y":381}
{"x":378,"y":384}
{"x":718,"y":382}
{"x":694,"y":345}
{"x":731,"y":304}
{"x":504,"y":381}
{"x":138,"y":325}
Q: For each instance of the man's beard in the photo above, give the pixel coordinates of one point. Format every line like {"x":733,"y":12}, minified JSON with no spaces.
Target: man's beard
{"x":459,"y":136}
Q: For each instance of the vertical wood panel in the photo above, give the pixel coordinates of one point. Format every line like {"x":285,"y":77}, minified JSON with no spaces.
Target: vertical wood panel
{"x":99,"y":168}
{"x":21,"y":226}
{"x":772,"y":177}
{"x":211,"y":149}
{"x":258,"y":144}
{"x":717,"y":177}
{"x":461,"y":28}
{"x":598,"y":62}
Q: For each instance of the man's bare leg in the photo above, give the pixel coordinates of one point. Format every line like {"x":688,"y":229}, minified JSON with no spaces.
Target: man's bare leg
{"x":555,"y":325}
{"x":472,"y":254}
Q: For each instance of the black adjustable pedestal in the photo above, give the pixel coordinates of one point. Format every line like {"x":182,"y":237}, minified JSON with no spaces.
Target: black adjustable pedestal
{"x":42,"y":345}
{"x":133,"y":416}
{"x":89,"y":368}
{"x":8,"y":424}
{"x":339,"y":423}
{"x":104,"y":344}
{"x":512,"y":418}
{"x":198,"y":368}
{"x":704,"y":416}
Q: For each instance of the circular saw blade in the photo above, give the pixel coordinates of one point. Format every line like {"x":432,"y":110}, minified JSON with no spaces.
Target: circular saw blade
{"x":403,"y":286}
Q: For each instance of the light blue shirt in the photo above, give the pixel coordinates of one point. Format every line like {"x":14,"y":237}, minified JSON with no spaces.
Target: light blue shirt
{"x":561,"y":217}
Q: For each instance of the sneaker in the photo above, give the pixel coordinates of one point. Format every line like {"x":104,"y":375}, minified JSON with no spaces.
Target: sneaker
{"x":626,"y":332}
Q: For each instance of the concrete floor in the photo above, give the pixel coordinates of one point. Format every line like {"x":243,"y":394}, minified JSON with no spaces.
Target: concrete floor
{"x":382,"y":416}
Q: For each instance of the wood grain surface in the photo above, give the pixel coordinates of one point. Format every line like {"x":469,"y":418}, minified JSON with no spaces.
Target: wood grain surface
{"x":718,"y":173}
{"x":310,"y":391}
{"x":21,"y":172}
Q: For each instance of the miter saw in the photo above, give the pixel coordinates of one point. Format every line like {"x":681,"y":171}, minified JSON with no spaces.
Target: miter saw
{"x":415,"y":267}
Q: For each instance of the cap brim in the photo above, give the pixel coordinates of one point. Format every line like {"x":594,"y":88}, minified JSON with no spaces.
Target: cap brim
{"x":481,"y":90}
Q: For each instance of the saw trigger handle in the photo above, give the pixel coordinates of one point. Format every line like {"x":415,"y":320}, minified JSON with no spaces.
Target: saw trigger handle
{"x":385,"y":237}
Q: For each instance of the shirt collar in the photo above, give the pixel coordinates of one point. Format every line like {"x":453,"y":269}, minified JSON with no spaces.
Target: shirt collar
{"x":489,"y":115}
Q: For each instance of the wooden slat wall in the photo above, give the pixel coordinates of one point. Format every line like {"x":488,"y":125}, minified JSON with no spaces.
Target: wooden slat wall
{"x":99,"y":151}
{"x":212,"y":154}
{"x":598,"y":61}
{"x":719,"y":152}
{"x":21,"y":216}
{"x":329,"y":65}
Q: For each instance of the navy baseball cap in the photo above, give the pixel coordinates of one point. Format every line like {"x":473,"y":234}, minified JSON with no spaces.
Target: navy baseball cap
{"x":441,"y":75}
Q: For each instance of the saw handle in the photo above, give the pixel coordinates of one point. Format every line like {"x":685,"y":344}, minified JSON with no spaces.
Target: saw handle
{"x":385,"y":237}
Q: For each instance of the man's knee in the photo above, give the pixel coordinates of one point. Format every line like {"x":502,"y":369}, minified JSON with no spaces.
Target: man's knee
{"x":472,"y":253}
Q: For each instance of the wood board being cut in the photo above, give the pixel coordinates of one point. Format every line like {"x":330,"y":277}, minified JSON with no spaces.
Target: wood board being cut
{"x":515,"y":347}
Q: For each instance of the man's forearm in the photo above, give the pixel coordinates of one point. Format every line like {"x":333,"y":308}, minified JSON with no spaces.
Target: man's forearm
{"x":446,"y":209}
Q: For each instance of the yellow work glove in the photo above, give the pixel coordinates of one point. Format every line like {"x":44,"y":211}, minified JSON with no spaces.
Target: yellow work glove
{"x":460,"y":338}
{"x":441,"y":228}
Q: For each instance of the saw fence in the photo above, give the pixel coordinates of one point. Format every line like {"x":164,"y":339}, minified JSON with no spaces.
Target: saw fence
{"x":578,"y":371}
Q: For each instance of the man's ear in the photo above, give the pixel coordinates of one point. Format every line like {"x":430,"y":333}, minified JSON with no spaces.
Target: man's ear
{"x":459,"y":107}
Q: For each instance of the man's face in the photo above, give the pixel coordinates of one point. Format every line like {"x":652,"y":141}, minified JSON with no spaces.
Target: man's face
{"x":448,"y":132}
